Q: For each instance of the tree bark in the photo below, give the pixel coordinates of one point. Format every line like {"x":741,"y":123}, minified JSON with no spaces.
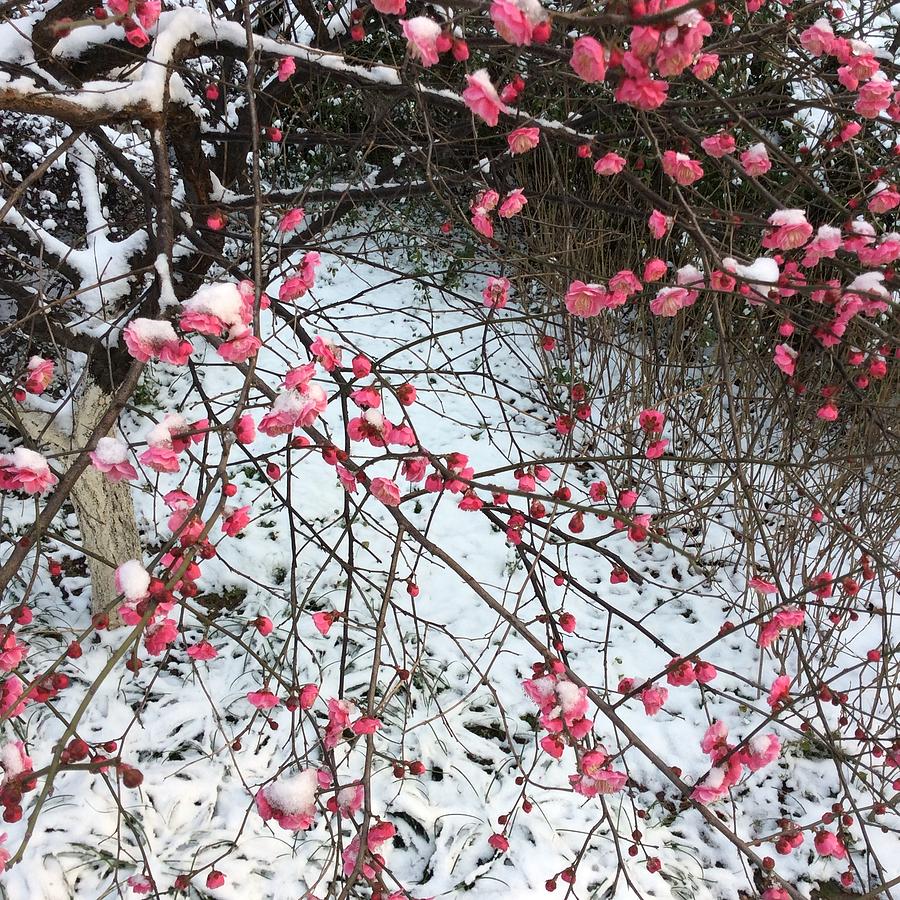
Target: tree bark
{"x":105,"y":509}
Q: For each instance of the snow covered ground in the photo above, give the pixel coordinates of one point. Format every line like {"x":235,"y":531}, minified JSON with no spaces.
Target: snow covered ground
{"x":462,"y":712}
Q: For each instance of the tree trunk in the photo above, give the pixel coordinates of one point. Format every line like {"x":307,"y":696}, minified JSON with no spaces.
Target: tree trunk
{"x":105,"y":509}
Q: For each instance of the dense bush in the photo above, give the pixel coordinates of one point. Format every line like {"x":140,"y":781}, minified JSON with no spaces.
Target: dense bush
{"x":449,"y":449}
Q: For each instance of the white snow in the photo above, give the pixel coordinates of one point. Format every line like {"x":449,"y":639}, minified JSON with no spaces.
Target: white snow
{"x":220,"y":300}
{"x":787,"y":217}
{"x":11,"y":760}
{"x":132,"y":579}
{"x":111,"y":451}
{"x":761,"y":271}
{"x":153,"y":331}
{"x":294,"y":793}
{"x":23,"y":458}
{"x":870,"y":282}
{"x":569,"y":695}
{"x":161,"y":433}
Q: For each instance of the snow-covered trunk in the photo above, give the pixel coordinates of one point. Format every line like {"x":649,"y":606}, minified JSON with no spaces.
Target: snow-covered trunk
{"x":105,"y":510}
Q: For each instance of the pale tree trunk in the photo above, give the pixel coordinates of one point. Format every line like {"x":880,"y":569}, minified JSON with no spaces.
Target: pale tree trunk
{"x":105,"y":509}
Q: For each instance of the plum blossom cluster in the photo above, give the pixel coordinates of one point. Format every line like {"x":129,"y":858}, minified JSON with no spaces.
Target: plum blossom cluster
{"x":564,"y":709}
{"x":17,"y":767}
{"x":36,"y":378}
{"x":137,"y":18}
{"x":298,"y":406}
{"x":858,"y":70}
{"x":484,"y":205}
{"x":778,"y":281}
{"x":291,"y":801}
{"x":17,"y":781}
{"x":728,"y":760}
{"x":25,"y":470}
{"x":220,"y":311}
{"x":563,"y":705}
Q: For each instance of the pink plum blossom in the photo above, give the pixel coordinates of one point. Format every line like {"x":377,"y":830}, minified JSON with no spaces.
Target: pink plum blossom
{"x":714,"y":742}
{"x":609,"y":164}
{"x":823,"y":246}
{"x":286,"y":67}
{"x":651,"y":420}
{"x":366,"y":725}
{"x":147,"y":12}
{"x":12,"y":652}
{"x":760,"y":751}
{"x":874,"y":97}
{"x":159,"y":636}
{"x":523,"y":139}
{"x":755,"y":160}
{"x":642,"y":92}
{"x":515,"y":20}
{"x":422,"y":34}
{"x":140,"y":884}
{"x":829,"y":844}
{"x":291,"y":220}
{"x":202,"y":651}
{"x":681,"y":168}
{"x":386,"y":491}
{"x":670,"y":300}
{"x":780,"y":691}
{"x":339,"y":712}
{"x":718,"y":145}
{"x":302,"y":281}
{"x":627,"y":499}
{"x":588,"y":59}
{"x":326,"y":352}
{"x":884,"y":200}
{"x":40,"y":374}
{"x":235,"y":520}
{"x":264,"y":699}
{"x":148,"y":339}
{"x":763,"y":586}
{"x":653,"y":699}
{"x":308,"y":695}
{"x":654,"y":269}
{"x":512,"y":204}
{"x":789,"y":229}
{"x":625,"y":282}
{"x":496,"y":293}
{"x":705,"y":66}
{"x":390,"y":7}
{"x":585,"y":300}
{"x":25,"y":470}
{"x":481,"y":97}
{"x":240,"y":345}
{"x":818,"y":39}
{"x":718,"y":782}
{"x":10,"y":693}
{"x":323,"y":621}
{"x":659,"y":224}
{"x":290,"y":800}
{"x":378,"y":833}
{"x":348,"y":801}
{"x":361,"y":366}
{"x":135,"y":35}
{"x":786,"y":359}
{"x":111,"y":458}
